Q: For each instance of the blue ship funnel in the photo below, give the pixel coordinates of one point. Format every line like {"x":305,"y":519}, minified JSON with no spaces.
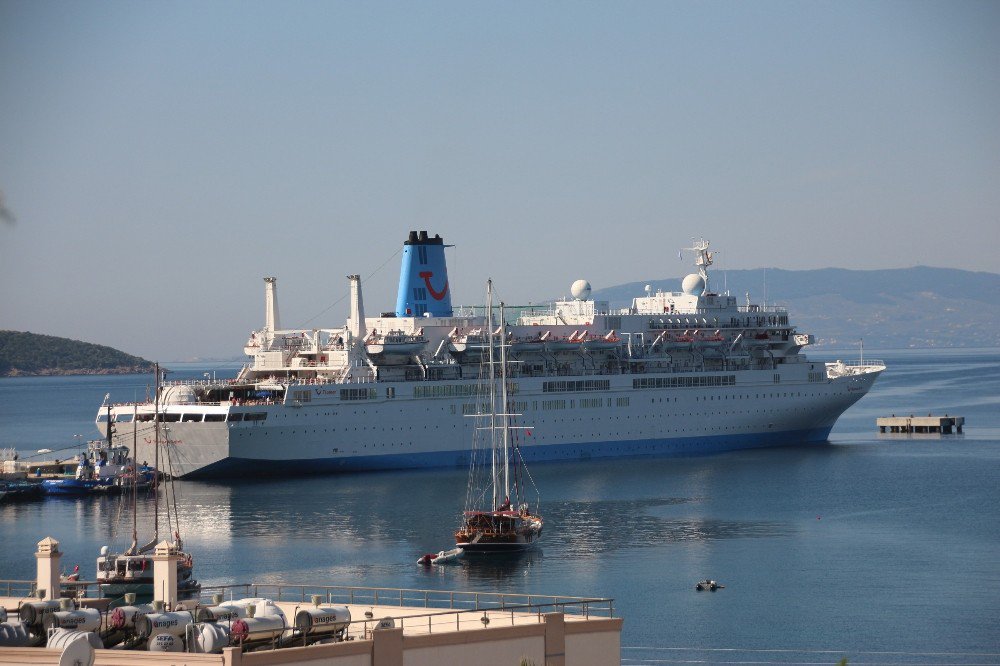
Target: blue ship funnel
{"x":423,"y":278}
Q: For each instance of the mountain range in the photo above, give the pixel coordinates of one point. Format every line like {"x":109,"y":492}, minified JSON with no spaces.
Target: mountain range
{"x":890,"y":308}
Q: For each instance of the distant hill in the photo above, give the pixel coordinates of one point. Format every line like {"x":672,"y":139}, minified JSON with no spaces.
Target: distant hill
{"x":892,"y":308}
{"x":34,"y":354}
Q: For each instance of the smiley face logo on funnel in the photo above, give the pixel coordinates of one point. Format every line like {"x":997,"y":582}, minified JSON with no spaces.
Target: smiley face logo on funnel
{"x":437,"y":295}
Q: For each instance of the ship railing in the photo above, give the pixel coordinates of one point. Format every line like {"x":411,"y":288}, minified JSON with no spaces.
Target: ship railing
{"x":452,"y":608}
{"x":754,"y":309}
{"x":858,"y":365}
{"x":221,"y":381}
{"x":163,"y":407}
{"x":855,"y":367}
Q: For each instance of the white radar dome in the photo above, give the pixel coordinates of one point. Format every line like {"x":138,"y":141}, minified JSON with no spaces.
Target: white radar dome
{"x":693,"y":285}
{"x":580,"y":290}
{"x":178,"y":395}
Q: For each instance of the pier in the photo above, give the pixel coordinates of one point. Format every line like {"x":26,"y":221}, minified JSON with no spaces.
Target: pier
{"x":921,"y":424}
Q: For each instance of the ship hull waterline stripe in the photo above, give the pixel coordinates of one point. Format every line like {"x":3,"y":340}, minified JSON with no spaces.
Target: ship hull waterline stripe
{"x":673,"y":447}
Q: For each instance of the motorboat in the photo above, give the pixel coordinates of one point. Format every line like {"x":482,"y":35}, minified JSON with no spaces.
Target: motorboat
{"x":441,"y":556}
{"x":97,"y":470}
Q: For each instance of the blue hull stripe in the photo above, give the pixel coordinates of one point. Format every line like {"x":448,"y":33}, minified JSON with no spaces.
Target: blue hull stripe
{"x":689,"y":446}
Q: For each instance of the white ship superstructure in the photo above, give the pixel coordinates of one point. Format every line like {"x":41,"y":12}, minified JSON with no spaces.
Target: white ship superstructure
{"x":686,"y":372}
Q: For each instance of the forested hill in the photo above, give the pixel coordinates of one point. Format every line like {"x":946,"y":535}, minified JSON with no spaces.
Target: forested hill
{"x":34,"y":354}
{"x":891,"y":308}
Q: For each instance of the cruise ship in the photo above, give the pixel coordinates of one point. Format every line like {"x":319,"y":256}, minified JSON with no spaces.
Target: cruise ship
{"x":676,"y":373}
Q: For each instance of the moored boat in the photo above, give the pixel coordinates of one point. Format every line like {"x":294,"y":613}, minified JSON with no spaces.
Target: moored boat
{"x":304,"y":395}
{"x":496,"y":518}
{"x":97,"y":471}
{"x":20,"y":490}
{"x":131,"y":570}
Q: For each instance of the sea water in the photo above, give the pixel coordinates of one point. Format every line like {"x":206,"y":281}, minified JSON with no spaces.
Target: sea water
{"x":880,"y":548}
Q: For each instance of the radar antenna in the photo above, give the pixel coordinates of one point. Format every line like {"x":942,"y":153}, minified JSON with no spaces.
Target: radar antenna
{"x":702,"y":258}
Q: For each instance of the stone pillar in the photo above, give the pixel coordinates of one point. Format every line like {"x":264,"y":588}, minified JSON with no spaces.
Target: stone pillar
{"x":555,"y":639}
{"x":387,"y":647}
{"x":165,"y":560}
{"x":232,"y":656}
{"x":47,"y":557}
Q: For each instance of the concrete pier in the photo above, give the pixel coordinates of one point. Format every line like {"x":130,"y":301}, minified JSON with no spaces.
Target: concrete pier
{"x":910,"y":424}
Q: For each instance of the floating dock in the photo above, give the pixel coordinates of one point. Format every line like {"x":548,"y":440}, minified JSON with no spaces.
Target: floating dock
{"x":909,"y":424}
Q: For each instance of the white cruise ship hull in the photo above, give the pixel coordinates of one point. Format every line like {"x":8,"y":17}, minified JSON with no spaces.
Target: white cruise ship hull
{"x":407,"y":432}
{"x":674,"y":373}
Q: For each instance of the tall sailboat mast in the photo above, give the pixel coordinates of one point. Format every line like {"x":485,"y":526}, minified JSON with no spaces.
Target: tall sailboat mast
{"x":503,"y":401}
{"x":135,"y":480}
{"x":156,"y":455}
{"x":493,"y":392}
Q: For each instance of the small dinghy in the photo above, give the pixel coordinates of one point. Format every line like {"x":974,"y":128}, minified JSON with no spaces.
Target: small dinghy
{"x":708,"y":584}
{"x":441,"y":557}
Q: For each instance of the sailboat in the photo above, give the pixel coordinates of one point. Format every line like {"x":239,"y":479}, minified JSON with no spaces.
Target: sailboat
{"x":496,"y":516}
{"x":132,"y":569}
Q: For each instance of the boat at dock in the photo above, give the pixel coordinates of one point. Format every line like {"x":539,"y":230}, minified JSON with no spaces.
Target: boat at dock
{"x":688,"y":372}
{"x":11,"y":491}
{"x":131,"y":570}
{"x":99,"y":470}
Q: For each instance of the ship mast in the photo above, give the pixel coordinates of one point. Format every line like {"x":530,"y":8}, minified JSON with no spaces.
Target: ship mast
{"x":503,"y":398}
{"x":493,"y":391}
{"x":702,"y":259}
{"x":135,"y":480}
{"x":156,"y":455}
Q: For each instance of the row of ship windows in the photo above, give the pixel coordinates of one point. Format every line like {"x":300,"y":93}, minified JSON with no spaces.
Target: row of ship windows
{"x":551,"y":437}
{"x":756,"y":396}
{"x":521,"y":406}
{"x":467,"y":409}
{"x":518,"y":407}
{"x":190,"y":417}
{"x":471,"y":409}
{"x":462,"y":390}
{"x":683,"y":382}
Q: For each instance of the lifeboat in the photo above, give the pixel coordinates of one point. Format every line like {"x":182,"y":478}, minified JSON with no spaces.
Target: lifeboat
{"x":714,"y":340}
{"x":531,"y":345}
{"x":394,"y":347}
{"x":471,"y":345}
{"x":592,"y":343}
{"x":677,"y":341}
{"x":572,"y":343}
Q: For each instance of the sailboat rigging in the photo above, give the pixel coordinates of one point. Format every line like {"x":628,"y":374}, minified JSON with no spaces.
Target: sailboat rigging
{"x":497,"y":518}
{"x":132,"y":570}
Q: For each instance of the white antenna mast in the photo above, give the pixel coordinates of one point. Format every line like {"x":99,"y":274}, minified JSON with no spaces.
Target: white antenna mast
{"x":703,"y":259}
{"x":765,"y":287}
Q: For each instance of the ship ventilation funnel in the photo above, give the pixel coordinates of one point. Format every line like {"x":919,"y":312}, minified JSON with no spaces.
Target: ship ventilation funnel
{"x":357,"y":320}
{"x":423,"y":278}
{"x":271,"y":323}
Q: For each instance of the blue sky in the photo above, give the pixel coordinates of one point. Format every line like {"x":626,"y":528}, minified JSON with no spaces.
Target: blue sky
{"x":159,"y":158}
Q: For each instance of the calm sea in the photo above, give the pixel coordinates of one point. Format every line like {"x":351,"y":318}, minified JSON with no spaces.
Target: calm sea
{"x":884,"y":549}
